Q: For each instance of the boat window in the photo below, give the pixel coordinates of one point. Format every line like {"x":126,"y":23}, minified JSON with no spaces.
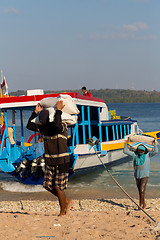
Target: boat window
{"x":85,"y":113}
{"x":126,"y":129}
{"x":93,"y":113}
{"x":95,"y":131}
{"x":110,"y":133}
{"x":80,"y":134}
{"x":104,"y":134}
{"x":89,"y":125}
{"x":116,"y":132}
{"x":86,"y":133}
{"x":80,"y":114}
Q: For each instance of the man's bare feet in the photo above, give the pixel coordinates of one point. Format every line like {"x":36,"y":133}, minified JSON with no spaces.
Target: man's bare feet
{"x":140,"y":206}
{"x":62,"y":213}
{"x":144,"y":206}
{"x":69,"y":204}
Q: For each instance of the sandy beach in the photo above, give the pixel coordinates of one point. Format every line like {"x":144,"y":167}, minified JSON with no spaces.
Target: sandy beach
{"x":87,"y":219}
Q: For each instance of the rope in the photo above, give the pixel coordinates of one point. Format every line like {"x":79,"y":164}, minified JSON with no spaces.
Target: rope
{"x":124,"y":190}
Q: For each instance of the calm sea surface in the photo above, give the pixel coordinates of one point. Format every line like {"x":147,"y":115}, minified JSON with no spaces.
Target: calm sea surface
{"x":98,"y":184}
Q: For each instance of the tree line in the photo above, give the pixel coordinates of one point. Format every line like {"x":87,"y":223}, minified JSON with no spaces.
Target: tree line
{"x":111,"y":95}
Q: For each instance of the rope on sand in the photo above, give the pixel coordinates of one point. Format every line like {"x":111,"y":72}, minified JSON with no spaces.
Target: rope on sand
{"x":22,"y":207}
{"x":124,"y":190}
{"x":92,"y":143}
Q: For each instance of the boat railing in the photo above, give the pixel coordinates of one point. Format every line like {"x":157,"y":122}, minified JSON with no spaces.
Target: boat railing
{"x":89,"y":124}
{"x":10,"y":150}
{"x":5,"y":135}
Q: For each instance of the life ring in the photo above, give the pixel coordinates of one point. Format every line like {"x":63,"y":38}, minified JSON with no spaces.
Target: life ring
{"x":32,"y":136}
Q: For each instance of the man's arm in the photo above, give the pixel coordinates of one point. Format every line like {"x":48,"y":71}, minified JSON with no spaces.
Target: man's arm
{"x":126,"y":150}
{"x":57,"y":117}
{"x":155,"y":150}
{"x":30,"y":125}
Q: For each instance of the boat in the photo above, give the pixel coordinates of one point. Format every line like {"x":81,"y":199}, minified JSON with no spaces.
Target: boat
{"x":19,"y":147}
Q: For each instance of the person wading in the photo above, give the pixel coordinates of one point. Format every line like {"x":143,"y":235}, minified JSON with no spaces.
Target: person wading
{"x":141,"y":162}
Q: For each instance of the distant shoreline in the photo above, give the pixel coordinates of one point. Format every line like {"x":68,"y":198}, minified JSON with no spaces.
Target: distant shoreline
{"x":112,"y":95}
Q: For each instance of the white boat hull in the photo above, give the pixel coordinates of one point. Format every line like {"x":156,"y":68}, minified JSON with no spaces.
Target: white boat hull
{"x":92,"y":160}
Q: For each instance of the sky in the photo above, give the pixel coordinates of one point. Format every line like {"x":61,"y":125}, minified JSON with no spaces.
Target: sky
{"x":67,"y":44}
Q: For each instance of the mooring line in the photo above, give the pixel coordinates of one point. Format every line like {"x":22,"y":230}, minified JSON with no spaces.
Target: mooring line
{"x":124,"y":190}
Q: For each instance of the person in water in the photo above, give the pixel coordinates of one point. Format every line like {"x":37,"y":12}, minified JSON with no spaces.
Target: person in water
{"x":141,"y":164}
{"x":85,"y":92}
{"x":56,"y":153}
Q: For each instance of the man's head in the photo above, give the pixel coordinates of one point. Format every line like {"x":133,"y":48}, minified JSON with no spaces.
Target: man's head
{"x":83,"y":89}
{"x":141,"y":149}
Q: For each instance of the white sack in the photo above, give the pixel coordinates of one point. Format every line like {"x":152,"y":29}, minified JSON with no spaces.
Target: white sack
{"x":70,"y":106}
{"x":67,"y":118}
{"x":49,"y":102}
{"x":142,"y":138}
{"x":134,"y":146}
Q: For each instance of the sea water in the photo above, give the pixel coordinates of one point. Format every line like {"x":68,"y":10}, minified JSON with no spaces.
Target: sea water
{"x":97,"y":183}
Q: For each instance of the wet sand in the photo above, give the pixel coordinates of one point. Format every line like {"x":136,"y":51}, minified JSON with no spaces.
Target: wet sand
{"x":77,"y":194}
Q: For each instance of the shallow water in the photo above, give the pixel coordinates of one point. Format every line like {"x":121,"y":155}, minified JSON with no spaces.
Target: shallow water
{"x":97,"y":183}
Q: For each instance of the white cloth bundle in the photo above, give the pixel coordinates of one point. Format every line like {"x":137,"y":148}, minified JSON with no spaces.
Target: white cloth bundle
{"x":70,"y":106}
{"x":142,"y":138}
{"x":67,"y":118}
{"x":134,"y":146}
{"x":68,"y":112}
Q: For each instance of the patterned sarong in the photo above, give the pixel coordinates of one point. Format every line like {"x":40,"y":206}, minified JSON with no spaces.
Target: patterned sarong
{"x":52,"y":178}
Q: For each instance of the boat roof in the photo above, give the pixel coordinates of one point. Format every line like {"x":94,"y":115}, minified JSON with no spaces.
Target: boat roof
{"x":12,"y":102}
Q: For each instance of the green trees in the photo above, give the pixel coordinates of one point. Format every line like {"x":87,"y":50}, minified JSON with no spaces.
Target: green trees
{"x":112,"y":95}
